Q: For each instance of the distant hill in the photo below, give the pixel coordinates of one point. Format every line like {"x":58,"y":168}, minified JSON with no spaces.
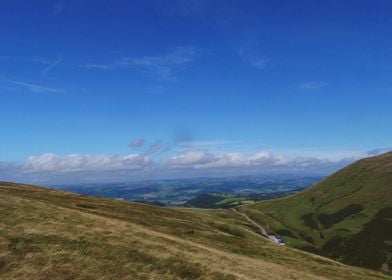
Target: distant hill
{"x":219,"y":200}
{"x":49,"y":234}
{"x":347,"y":216}
{"x":213,"y":201}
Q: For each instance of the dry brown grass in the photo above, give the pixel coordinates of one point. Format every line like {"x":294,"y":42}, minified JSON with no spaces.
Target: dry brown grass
{"x":47,"y":234}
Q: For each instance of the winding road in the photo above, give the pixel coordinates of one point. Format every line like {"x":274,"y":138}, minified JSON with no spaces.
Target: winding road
{"x":262,"y":230}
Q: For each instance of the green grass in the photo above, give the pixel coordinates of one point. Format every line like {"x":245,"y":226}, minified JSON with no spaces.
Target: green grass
{"x":230,"y":200}
{"x":48,"y":234}
{"x":341,"y":211}
{"x":215,"y":200}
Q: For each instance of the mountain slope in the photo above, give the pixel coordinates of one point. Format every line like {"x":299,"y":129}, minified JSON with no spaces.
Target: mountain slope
{"x":48,"y":234}
{"x":347,"y":216}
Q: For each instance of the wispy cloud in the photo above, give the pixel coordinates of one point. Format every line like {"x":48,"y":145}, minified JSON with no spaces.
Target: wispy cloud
{"x":50,"y":65}
{"x":164,"y":66}
{"x":253,"y":58}
{"x":313,"y":85}
{"x":137,"y":142}
{"x":151,"y":149}
{"x":91,"y":66}
{"x":36,"y":88}
{"x":157,"y":147}
{"x":259,"y":63}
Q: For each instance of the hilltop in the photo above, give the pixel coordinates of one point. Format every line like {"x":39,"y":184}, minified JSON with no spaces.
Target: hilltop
{"x":50,"y":234}
{"x":347,"y":216}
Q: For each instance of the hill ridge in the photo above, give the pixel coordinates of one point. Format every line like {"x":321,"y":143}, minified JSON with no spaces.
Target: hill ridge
{"x":332,"y":215}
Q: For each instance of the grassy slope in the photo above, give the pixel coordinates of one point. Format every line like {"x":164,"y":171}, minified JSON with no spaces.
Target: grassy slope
{"x":347,"y":216}
{"x":212,"y":201}
{"x":47,"y":234}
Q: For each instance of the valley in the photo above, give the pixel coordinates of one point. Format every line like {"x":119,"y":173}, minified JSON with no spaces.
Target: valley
{"x":179,"y":192}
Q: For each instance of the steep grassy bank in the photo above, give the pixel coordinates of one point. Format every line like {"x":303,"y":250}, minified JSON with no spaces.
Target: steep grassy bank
{"x":347,"y":216}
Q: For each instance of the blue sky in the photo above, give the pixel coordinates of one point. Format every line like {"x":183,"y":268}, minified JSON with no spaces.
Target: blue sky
{"x":202,"y":87}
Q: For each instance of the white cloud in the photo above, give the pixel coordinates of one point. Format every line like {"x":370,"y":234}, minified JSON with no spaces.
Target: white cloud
{"x":313,"y":85}
{"x":263,"y":160}
{"x":49,"y":65}
{"x":164,"y":66}
{"x":76,"y":163}
{"x":36,"y":88}
{"x":329,"y":154}
{"x":190,"y":159}
{"x":97,"y":168}
{"x":250,"y":55}
{"x":99,"y":66}
{"x":258,"y":62}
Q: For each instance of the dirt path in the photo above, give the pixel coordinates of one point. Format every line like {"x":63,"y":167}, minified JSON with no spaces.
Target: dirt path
{"x":262,"y":230}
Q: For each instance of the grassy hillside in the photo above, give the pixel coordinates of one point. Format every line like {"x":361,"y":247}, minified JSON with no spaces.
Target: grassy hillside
{"x":347,"y":216}
{"x":212,"y":201}
{"x":48,"y":234}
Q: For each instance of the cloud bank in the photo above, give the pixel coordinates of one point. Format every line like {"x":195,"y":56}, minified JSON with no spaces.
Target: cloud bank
{"x":50,"y":168}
